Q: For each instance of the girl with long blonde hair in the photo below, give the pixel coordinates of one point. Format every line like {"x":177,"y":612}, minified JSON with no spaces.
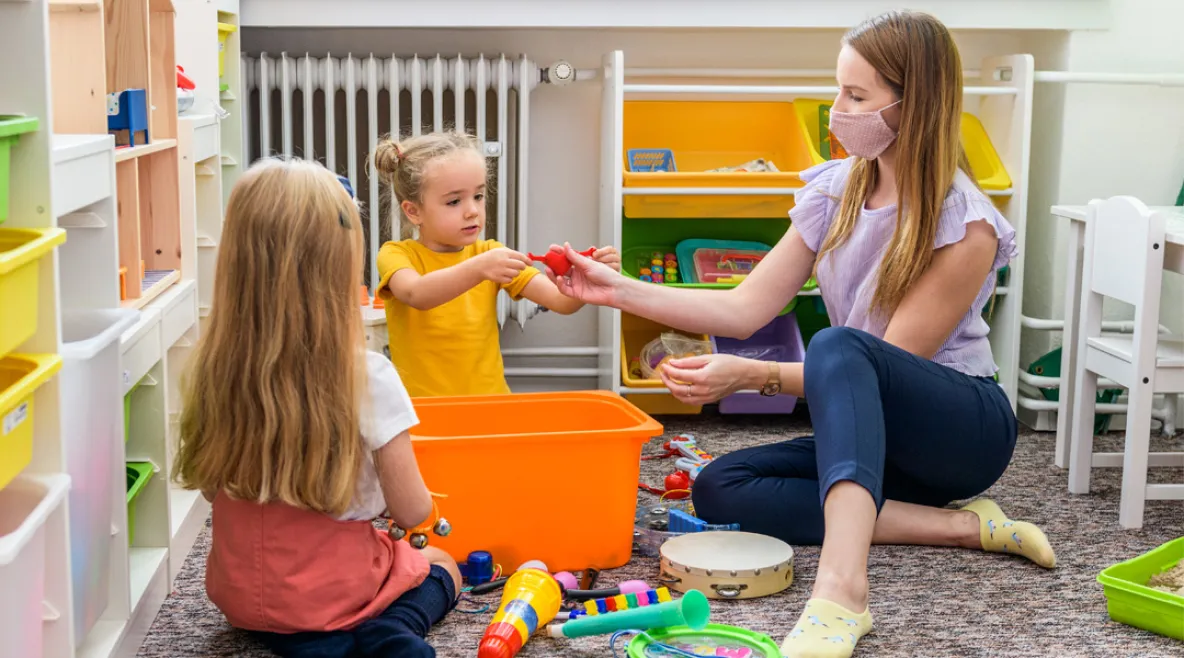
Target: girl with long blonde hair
{"x":299,"y":436}
{"x":907,"y":416}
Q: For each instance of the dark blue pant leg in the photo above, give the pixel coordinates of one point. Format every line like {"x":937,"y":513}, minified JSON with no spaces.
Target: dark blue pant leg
{"x":873,"y":404}
{"x":770,"y":490}
{"x":904,"y":428}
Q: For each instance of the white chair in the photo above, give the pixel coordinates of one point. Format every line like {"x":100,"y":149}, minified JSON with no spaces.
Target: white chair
{"x":1124,"y":248}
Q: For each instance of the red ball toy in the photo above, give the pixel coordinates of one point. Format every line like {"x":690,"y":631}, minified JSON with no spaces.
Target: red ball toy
{"x":557,"y":260}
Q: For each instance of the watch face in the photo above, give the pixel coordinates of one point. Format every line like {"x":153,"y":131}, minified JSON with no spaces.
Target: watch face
{"x":770,"y":390}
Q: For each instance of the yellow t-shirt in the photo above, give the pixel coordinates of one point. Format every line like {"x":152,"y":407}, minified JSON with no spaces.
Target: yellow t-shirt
{"x":453,"y":349}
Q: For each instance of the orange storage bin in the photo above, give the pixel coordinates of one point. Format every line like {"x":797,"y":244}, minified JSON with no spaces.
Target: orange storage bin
{"x":539,"y":476}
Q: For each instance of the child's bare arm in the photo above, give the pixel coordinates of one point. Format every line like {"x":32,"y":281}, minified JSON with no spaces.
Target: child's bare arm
{"x":430,"y":290}
{"x":408,"y":501}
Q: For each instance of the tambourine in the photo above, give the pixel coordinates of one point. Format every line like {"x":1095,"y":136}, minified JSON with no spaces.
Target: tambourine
{"x":727,"y":564}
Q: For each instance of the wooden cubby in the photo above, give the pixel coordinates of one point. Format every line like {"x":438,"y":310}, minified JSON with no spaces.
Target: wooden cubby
{"x":79,"y":74}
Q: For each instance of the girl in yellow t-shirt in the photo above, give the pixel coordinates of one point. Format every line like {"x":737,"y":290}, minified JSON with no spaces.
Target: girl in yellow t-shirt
{"x":441,"y":288}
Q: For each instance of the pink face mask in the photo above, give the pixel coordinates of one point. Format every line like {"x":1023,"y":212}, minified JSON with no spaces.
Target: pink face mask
{"x":863,"y":134}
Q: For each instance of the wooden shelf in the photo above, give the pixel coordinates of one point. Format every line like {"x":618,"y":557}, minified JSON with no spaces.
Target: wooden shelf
{"x":75,"y":6}
{"x":133,"y":152}
{"x":154,"y":288}
{"x":78,"y":67}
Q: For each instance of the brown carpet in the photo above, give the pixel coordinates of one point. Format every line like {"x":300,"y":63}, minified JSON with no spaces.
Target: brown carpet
{"x":926,"y":601}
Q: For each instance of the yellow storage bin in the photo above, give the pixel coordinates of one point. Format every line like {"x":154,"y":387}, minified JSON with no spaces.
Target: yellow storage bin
{"x":20,"y":250}
{"x":20,"y":376}
{"x":635,"y":333}
{"x":984,"y":160}
{"x":711,"y":134}
{"x":224,"y":32}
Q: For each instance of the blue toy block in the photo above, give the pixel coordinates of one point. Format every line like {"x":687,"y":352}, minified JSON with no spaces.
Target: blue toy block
{"x":680,"y":521}
{"x":128,"y":110}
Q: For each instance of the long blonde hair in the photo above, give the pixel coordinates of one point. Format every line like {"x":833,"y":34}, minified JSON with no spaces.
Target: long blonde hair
{"x":916,"y":57}
{"x":271,"y":400}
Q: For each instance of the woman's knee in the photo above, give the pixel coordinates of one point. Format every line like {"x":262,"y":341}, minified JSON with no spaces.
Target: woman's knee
{"x":712,"y":489}
{"x":437,"y":556}
{"x":831,"y":350}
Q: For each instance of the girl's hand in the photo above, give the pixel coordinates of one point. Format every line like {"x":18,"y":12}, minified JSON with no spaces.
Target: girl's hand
{"x":607,"y":255}
{"x":590,"y":281}
{"x":710,"y":377}
{"x":500,"y":265}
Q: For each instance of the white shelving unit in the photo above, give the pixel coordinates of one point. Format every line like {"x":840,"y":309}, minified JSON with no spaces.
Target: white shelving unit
{"x":1001,"y":98}
{"x":100,"y":578}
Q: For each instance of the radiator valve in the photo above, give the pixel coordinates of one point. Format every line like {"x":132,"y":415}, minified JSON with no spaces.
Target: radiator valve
{"x":560,"y":73}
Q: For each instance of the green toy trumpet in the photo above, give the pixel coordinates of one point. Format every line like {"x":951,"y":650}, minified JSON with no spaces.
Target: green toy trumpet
{"x":691,"y":610}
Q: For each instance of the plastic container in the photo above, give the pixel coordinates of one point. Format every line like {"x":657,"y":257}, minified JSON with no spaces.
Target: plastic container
{"x":779,"y":341}
{"x":1130,"y":601}
{"x":20,"y":250}
{"x":91,"y":425}
{"x":704,"y":259}
{"x":635,"y":333}
{"x":224,"y":32}
{"x":11,"y":129}
{"x":539,"y":476}
{"x":138,"y":475}
{"x":20,"y":376}
{"x":984,"y":160}
{"x":707,"y":135}
{"x":651,"y":160}
{"x":25,"y":506}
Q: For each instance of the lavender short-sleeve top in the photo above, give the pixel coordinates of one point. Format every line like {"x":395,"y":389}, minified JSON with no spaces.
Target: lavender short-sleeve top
{"x":847,"y":275}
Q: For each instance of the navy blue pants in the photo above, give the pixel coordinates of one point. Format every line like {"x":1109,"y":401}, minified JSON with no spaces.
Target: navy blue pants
{"x":396,"y":633}
{"x":902,"y":427}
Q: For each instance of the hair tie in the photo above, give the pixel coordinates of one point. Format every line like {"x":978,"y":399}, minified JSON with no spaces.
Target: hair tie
{"x":398,"y":152}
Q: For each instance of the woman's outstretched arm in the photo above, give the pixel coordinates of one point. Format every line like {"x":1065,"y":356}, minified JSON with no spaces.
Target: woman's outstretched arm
{"x":735,"y":313}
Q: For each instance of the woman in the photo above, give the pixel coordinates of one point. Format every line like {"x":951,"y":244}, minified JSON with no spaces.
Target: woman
{"x":906,"y":414}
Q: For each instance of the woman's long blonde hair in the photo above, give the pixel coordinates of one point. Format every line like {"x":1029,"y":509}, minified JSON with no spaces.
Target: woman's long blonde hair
{"x":916,"y":57}
{"x":271,"y":400}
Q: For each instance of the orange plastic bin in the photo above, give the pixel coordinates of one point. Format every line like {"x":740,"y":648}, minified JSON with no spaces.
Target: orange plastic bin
{"x":537,"y":476}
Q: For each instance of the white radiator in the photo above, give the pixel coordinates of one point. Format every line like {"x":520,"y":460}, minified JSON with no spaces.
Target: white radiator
{"x":291,"y":114}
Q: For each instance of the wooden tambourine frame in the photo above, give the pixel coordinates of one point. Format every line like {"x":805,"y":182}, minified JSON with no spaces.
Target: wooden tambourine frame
{"x":726,"y":564}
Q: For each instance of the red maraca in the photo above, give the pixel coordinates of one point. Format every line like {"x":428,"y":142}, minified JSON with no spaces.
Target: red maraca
{"x":557,"y":260}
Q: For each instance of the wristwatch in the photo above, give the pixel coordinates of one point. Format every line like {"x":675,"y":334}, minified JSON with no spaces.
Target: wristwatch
{"x":773,"y":386}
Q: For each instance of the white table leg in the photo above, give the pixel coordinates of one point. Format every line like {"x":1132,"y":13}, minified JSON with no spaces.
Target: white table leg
{"x":1073,"y":259}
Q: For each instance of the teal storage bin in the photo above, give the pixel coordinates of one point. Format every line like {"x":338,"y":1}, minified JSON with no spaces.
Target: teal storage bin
{"x":1130,"y":601}
{"x":11,"y":129}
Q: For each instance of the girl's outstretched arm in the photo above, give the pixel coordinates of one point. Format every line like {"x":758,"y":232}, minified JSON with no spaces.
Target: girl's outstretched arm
{"x":408,"y":501}
{"x":427,"y":291}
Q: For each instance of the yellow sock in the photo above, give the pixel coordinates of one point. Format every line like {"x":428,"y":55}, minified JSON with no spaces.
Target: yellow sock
{"x":1000,"y":534}
{"x":826,"y":630}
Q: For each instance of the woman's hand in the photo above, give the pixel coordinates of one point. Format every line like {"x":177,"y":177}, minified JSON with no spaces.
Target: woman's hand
{"x":594,"y":280}
{"x":711,"y":377}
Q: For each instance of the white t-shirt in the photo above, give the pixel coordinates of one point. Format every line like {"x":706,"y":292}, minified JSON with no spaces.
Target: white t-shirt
{"x":386,"y":412}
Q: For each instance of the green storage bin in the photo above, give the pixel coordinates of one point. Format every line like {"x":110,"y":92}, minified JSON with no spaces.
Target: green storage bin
{"x":11,"y":129}
{"x":138,"y":475}
{"x":640,"y":237}
{"x":1130,"y":601}
{"x":1049,"y":365}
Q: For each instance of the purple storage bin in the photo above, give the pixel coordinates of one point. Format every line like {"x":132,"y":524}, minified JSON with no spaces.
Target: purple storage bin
{"x":780,"y":340}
